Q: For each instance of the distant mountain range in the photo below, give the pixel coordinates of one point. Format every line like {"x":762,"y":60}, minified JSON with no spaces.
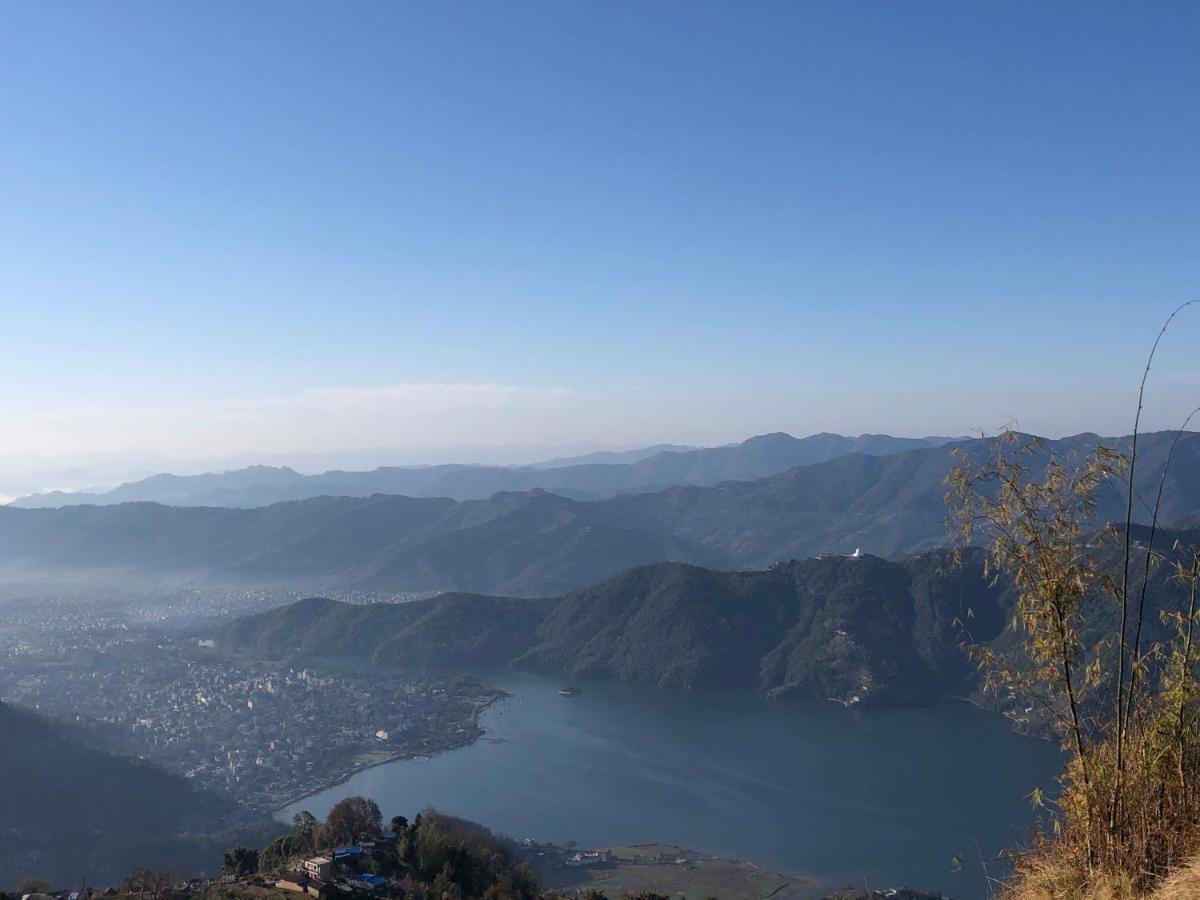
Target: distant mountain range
{"x":596,"y":475}
{"x":609,"y":457}
{"x":537,"y":543}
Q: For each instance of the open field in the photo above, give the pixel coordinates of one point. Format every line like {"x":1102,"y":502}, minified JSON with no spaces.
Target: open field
{"x":666,"y":869}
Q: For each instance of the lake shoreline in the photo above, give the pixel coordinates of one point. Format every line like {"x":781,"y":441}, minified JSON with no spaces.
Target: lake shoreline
{"x":874,"y":796}
{"x":496,"y":696}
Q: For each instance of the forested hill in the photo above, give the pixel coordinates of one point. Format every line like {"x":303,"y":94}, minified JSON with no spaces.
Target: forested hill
{"x":110,"y":812}
{"x":756,"y":457}
{"x":837,"y":627}
{"x":854,"y":629}
{"x":537,"y":543}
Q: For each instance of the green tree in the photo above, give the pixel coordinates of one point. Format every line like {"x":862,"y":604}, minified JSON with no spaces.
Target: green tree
{"x":239,"y":861}
{"x":1039,"y":532}
{"x":351,"y":819}
{"x":1128,"y":808}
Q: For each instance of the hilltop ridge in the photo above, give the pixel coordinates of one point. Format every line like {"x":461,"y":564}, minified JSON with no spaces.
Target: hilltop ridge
{"x":853,"y":629}
{"x":589,"y":477}
{"x":539,"y":543}
{"x":857,"y":629}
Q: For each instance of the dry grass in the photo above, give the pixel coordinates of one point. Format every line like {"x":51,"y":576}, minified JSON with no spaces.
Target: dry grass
{"x":1048,"y":879}
{"x":708,"y":876}
{"x":1183,"y":885}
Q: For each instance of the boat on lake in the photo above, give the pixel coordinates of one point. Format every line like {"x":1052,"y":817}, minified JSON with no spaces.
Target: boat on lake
{"x":569,"y":691}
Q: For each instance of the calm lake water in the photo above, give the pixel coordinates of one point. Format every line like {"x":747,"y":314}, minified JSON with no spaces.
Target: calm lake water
{"x":882,"y":797}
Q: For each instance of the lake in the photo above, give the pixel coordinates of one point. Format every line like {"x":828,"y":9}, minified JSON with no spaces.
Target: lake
{"x":876,"y":797}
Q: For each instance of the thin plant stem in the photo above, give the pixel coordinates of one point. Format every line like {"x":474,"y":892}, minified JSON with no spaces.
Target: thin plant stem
{"x":1123,"y":647}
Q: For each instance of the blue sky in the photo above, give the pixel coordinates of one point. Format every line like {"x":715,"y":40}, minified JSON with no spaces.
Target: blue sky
{"x":271,"y":226}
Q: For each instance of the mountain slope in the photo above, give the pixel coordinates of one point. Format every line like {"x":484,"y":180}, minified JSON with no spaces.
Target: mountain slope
{"x":453,"y":630}
{"x":326,"y":535}
{"x":857,"y":629}
{"x":889,"y":505}
{"x":526,"y":544}
{"x":608,"y":457}
{"x":533,"y":543}
{"x":113,"y":813}
{"x":838,"y":627}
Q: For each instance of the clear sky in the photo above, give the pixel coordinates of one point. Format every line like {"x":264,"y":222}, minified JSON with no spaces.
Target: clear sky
{"x":272,"y":226}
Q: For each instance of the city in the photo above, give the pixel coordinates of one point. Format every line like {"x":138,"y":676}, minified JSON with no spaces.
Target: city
{"x":257,"y":732}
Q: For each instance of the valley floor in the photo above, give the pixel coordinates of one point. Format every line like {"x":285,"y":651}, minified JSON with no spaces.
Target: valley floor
{"x":674,"y":871}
